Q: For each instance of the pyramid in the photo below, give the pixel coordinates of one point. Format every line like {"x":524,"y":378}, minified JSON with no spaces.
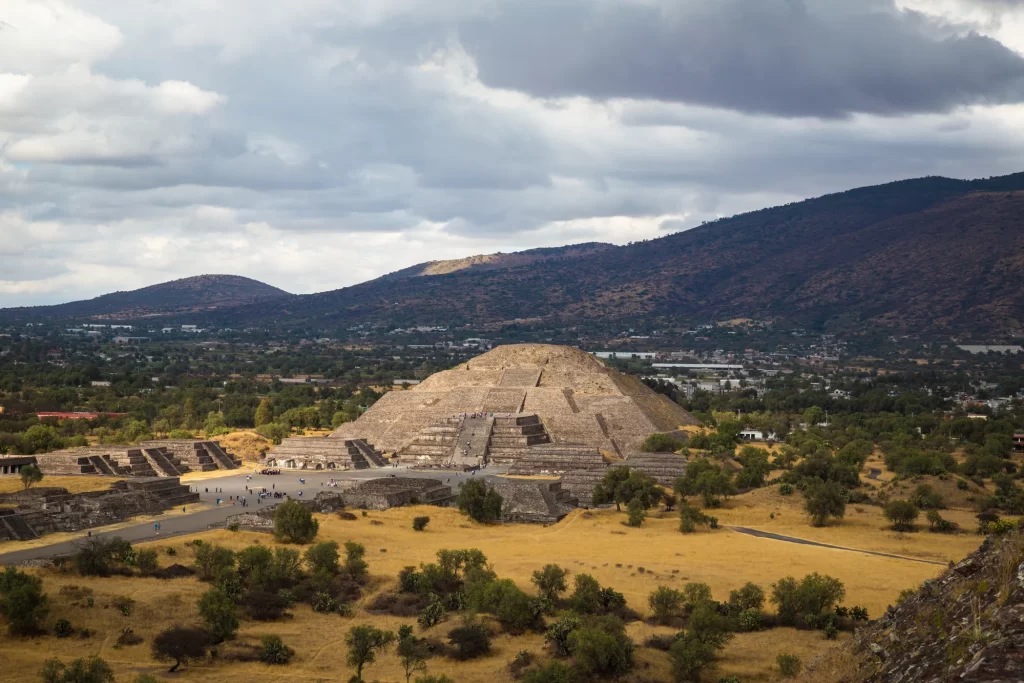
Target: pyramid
{"x":576,"y":398}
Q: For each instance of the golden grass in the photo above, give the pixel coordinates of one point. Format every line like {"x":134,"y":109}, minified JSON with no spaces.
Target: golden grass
{"x":73,"y":483}
{"x":594,"y":542}
{"x":247,"y":445}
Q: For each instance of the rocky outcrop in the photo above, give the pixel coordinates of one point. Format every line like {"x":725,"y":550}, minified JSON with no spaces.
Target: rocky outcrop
{"x":966,"y":626}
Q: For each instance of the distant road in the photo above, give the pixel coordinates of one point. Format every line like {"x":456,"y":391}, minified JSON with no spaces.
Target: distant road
{"x":234,"y":485}
{"x":804,"y":541}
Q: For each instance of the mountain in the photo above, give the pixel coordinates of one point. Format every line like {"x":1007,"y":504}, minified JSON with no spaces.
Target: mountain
{"x":965,"y":625}
{"x":500,"y":261}
{"x":188,"y":295}
{"x":931,"y":254}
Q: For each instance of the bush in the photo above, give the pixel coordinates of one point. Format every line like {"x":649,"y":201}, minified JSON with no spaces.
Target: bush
{"x":146,"y":561}
{"x":22,"y":601}
{"x":689,"y":656}
{"x":550,"y":581}
{"x":274,"y":651}
{"x":470,"y":640}
{"x":601,"y":648}
{"x":815,"y":596}
{"x":480,"y":503}
{"x":294,"y":523}
{"x":211,"y":559}
{"x":552,"y":672}
{"x":902,"y":514}
{"x":264,"y":606}
{"x":63,"y":628}
{"x":181,"y":645}
{"x":123,"y":604}
{"x":431,"y":615}
{"x":557,"y":634}
{"x":749,"y":596}
{"x":938,"y":524}
{"x":785,"y":489}
{"x":661,"y":443}
{"x":789,"y":665}
{"x":750,"y":620}
{"x":666,"y":604}
{"x":355,"y":565}
{"x":636,"y":513}
{"x":91,"y":670}
{"x":420,"y":523}
{"x":217,"y":611}
{"x":323,"y":557}
{"x":690,"y":517}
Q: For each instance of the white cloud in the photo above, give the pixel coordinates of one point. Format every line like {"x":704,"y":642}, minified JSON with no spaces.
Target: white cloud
{"x":319,"y":143}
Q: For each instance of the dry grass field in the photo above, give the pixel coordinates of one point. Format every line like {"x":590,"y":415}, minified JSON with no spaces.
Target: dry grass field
{"x":634,"y":561}
{"x":74,"y":484}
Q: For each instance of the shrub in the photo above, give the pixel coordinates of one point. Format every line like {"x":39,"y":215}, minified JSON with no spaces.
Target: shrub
{"x":789,"y":665}
{"x":211,"y":559}
{"x":91,"y":670}
{"x":831,"y":631}
{"x":750,"y":620}
{"x":217,"y":610}
{"x":902,"y":514}
{"x":814,"y":596}
{"x":859,"y":613}
{"x":601,"y":648}
{"x":128,"y":636}
{"x":431,"y":615}
{"x":123,"y":604}
{"x":146,"y":561}
{"x":636,"y":513}
{"x":690,"y":517}
{"x":785,"y":489}
{"x":926,"y":498}
{"x":323,"y":557}
{"x":22,"y":601}
{"x":181,"y":645}
{"x":420,"y":523}
{"x":263,"y":605}
{"x":171,"y":551}
{"x":355,"y":566}
{"x":550,"y":581}
{"x":690,"y":656}
{"x":938,"y":524}
{"x":665,"y":603}
{"x":470,"y":640}
{"x":661,"y":443}
{"x":63,"y":628}
{"x":552,"y":672}
{"x":480,"y":503}
{"x":749,"y":596}
{"x":294,"y":523}
{"x":962,"y":484}
{"x":557,"y":634}
{"x":274,"y":651}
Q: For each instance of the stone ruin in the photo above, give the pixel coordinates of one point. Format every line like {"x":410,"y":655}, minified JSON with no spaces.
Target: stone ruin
{"x":148,"y":459}
{"x":569,"y":393}
{"x":665,"y":468}
{"x":389,"y":492}
{"x":324,"y":453}
{"x":536,"y":502}
{"x":42,"y":510}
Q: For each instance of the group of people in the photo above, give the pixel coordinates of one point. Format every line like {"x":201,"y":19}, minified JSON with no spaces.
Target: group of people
{"x":267,"y":470}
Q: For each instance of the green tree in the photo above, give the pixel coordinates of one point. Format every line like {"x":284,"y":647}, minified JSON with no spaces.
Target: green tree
{"x":902,"y":514}
{"x":420,"y":523}
{"x":41,"y":438}
{"x":412,"y":654}
{"x":214,"y":425}
{"x":273,"y":651}
{"x":661,"y":443}
{"x":749,"y":596}
{"x":355,"y":565}
{"x":30,"y":474}
{"x":705,"y":479}
{"x":211,"y":559}
{"x":825,"y":499}
{"x":323,"y":557}
{"x":181,"y":645}
{"x":665,"y":603}
{"x":602,"y":649}
{"x":558,"y":633}
{"x":813,"y":597}
{"x":636,"y":513}
{"x":480,"y":503}
{"x":91,"y":670}
{"x":294,"y":523}
{"x":364,"y":643}
{"x":550,"y":581}
{"x":264,"y":413}
{"x":22,"y":601}
{"x":217,"y":611}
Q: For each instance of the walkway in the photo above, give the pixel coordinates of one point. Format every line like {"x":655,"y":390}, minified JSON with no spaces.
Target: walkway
{"x":803,"y":541}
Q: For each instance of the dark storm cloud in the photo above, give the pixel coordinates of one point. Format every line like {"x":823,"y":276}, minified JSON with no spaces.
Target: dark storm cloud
{"x":788,"y":58}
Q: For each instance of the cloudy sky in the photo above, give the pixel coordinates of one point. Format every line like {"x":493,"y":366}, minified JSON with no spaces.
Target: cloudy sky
{"x":314,"y":144}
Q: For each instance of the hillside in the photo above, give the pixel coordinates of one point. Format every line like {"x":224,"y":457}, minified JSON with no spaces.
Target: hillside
{"x":500,"y":260}
{"x":192,"y":294}
{"x":965,"y":625}
{"x":928,"y":254}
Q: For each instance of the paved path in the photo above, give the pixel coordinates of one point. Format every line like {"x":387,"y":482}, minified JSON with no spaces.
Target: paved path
{"x":804,"y":541}
{"x":234,"y":485}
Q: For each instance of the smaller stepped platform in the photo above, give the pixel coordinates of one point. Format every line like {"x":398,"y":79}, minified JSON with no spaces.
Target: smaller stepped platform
{"x":324,"y":453}
{"x":435,"y":444}
{"x":581,"y":483}
{"x":537,"y":502}
{"x":196,"y":454}
{"x":555,"y":459}
{"x":389,"y":492}
{"x":664,"y":467}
